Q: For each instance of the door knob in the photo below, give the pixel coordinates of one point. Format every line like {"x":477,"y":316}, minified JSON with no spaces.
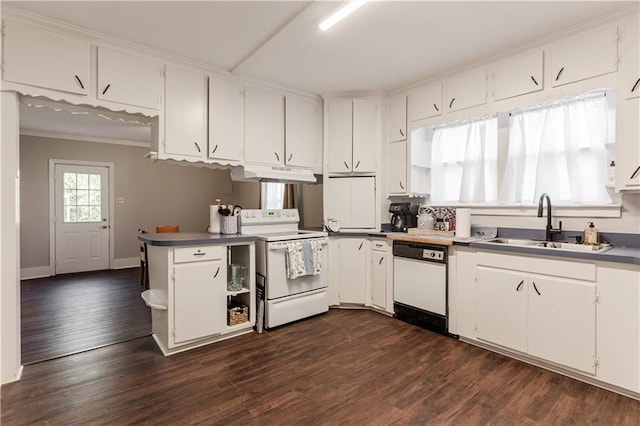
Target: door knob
{"x":105,"y":226}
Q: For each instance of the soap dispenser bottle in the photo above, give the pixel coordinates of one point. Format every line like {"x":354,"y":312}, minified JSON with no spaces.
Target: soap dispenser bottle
{"x":591,"y":234}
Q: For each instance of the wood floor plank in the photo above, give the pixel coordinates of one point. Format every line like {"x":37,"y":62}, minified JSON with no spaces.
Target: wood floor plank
{"x":343,"y":367}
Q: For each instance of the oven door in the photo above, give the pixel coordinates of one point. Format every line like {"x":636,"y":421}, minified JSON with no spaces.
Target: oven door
{"x":278,"y":285}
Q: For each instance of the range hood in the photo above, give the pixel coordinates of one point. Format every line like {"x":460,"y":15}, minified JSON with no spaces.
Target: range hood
{"x":263,"y":173}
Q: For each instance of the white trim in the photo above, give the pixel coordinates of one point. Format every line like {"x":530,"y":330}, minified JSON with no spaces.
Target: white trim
{"x":52,"y":237}
{"x":126,"y":262}
{"x":608,"y":210}
{"x":36,"y":272}
{"x":15,"y":378}
{"x":72,"y":137}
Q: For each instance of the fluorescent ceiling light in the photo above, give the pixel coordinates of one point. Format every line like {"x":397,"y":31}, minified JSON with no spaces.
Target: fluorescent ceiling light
{"x":340,"y":14}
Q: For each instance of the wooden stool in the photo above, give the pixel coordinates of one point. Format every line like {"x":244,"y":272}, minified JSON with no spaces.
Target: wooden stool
{"x":167,"y":229}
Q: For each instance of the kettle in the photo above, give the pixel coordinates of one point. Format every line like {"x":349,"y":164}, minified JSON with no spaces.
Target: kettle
{"x":332,"y":224}
{"x":425,"y":218}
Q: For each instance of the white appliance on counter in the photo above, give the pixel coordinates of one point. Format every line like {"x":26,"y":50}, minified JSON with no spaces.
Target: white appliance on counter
{"x":286,"y":300}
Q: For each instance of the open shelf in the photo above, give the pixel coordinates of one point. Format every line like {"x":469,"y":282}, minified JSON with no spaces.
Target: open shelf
{"x":154,"y":300}
{"x":235,"y":293}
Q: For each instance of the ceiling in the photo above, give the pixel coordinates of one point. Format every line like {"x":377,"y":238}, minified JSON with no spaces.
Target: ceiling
{"x":383,"y":46}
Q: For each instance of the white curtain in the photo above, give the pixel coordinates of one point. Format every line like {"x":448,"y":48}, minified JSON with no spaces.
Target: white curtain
{"x":558,"y":148}
{"x":464,"y":162}
{"x":272,"y":195}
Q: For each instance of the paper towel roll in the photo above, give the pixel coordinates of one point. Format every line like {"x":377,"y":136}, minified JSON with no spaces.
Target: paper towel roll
{"x":214,"y":220}
{"x":463,"y":223}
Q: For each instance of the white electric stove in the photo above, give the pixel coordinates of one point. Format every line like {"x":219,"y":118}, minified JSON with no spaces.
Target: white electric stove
{"x":286,"y":299}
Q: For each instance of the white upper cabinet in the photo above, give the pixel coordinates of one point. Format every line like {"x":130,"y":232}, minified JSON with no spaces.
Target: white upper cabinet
{"x":263,"y":126}
{"x":466,"y":90}
{"x":425,"y":102}
{"x":584,"y":56}
{"x":303,"y":132}
{"x":628,"y":145}
{"x":352,"y":201}
{"x":128,"y":79}
{"x":185,"y":112}
{"x":226,"y":119}
{"x":397,"y":176}
{"x":517,"y":76}
{"x":44,"y":58}
{"x":352,"y":135}
{"x":397,"y":118}
{"x":631,"y":59}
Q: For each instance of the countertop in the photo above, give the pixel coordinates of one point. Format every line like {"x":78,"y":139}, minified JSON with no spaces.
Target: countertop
{"x":192,"y":238}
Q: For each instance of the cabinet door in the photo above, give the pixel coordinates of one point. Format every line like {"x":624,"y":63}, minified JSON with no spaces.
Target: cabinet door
{"x":128,"y":79}
{"x":562,"y":322}
{"x":264,"y":126}
{"x":397,"y":118}
{"x":199,"y":300}
{"x":627,"y":145}
{"x":339,"y":135}
{"x":584,"y":56}
{"x":425,"y":102}
{"x":303,"y":132}
{"x":517,"y":76}
{"x":43,"y":58}
{"x":365,"y":113}
{"x":618,"y":327}
{"x":337,"y":200}
{"x":502,"y":308}
{"x":466,"y":90}
{"x":378,"y":271}
{"x":226,"y":119}
{"x":397,"y":177}
{"x":353,"y":273}
{"x":363,"y":202}
{"x":631,"y":59}
{"x":185,"y":112}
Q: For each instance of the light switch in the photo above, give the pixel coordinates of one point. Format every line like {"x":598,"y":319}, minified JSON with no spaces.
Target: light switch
{"x":119,"y":200}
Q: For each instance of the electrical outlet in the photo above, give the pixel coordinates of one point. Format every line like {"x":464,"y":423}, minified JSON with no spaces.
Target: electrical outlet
{"x":119,"y":200}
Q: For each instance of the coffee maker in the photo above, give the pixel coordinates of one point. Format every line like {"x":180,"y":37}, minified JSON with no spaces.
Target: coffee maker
{"x":403,"y":217}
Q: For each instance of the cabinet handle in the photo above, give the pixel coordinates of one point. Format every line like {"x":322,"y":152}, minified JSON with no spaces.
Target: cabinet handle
{"x":436,"y":107}
{"x":357,"y":164}
{"x":197,"y":146}
{"x":381,"y":259}
{"x":559,"y":73}
{"x":401,"y":185}
{"x":79,"y":82}
{"x":401,"y":133}
{"x":635,"y":173}
{"x":519,"y":288}
{"x":635,"y":86}
{"x":534,"y":81}
{"x":215,"y":148}
{"x":199,"y":253}
{"x":277,"y":156}
{"x":217,"y":272}
{"x":106,"y":88}
{"x":290,"y":157}
{"x":345,"y":164}
{"x":359,"y":248}
{"x":536,"y":289}
{"x":451,"y":103}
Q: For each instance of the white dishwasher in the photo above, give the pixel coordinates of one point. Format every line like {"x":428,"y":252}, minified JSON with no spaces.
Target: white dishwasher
{"x":420,"y":284}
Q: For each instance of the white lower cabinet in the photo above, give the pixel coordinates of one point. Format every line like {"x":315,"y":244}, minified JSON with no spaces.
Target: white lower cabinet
{"x":381,"y":275}
{"x":551,"y":318}
{"x":199,"y":292}
{"x":352,"y":270}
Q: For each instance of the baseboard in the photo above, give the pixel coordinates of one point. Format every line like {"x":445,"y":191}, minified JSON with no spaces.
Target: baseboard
{"x":126,"y":262}
{"x":35,"y":272}
{"x":15,"y":378}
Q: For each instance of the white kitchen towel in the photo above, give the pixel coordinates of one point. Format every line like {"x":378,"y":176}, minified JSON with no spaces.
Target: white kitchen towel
{"x":303,"y":258}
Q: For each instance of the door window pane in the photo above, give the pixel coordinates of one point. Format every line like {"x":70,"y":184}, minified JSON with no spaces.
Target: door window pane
{"x":82,"y":199}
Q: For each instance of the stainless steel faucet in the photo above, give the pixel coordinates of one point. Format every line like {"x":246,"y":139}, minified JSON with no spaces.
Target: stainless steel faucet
{"x":549,"y":229}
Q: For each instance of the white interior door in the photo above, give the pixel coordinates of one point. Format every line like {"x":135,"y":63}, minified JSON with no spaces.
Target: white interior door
{"x":81,"y":218}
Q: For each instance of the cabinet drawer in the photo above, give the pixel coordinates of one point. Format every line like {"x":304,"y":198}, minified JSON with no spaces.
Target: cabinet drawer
{"x":196,"y":254}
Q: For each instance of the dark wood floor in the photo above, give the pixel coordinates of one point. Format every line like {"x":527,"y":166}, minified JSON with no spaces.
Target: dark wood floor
{"x":344,"y":367}
{"x":74,"y":312}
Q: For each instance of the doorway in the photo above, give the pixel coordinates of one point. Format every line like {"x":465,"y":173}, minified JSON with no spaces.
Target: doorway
{"x":80,"y":216}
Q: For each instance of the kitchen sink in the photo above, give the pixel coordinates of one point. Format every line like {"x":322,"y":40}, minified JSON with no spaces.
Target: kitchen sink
{"x":553,"y":245}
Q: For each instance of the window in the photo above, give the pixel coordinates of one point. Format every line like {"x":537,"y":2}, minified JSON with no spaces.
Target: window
{"x":82,"y":198}
{"x":271,"y":195}
{"x":464,"y":162}
{"x":559,"y":148}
